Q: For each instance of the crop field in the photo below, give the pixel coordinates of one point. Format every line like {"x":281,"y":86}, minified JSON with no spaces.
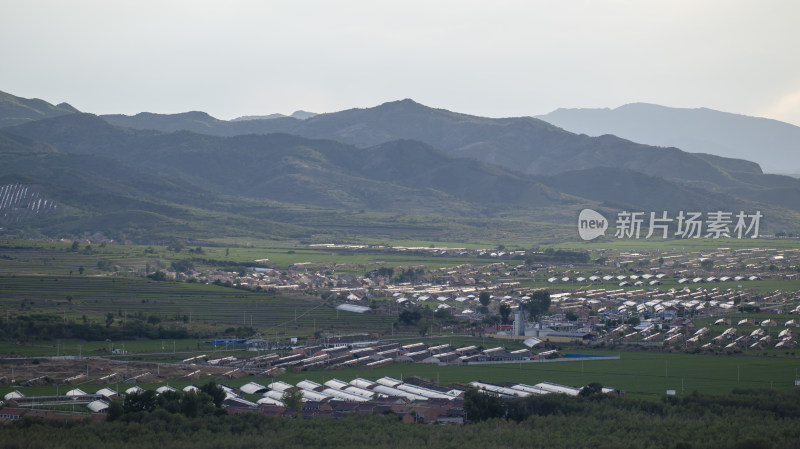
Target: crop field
{"x":55,"y":258}
{"x":75,"y":296}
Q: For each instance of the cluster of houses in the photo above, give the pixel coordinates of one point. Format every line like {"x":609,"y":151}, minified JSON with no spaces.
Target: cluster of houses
{"x":428,"y":251}
{"x":765,"y":334}
{"x":457,"y":287}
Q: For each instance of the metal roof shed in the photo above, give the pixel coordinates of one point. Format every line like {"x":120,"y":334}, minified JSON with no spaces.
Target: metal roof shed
{"x":97,"y":406}
{"x":394,"y":392}
{"x":252,"y":388}
{"x":389,"y":382}
{"x":362,"y":383}
{"x":336,"y":384}
{"x":280,"y":386}
{"x":344,"y":396}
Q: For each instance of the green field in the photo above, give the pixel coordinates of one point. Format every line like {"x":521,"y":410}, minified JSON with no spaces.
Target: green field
{"x":640,"y":374}
{"x":202,"y":304}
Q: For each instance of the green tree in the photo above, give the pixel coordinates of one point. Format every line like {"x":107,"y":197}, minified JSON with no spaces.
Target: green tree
{"x":423,"y":326}
{"x":539,"y":303}
{"x":633,"y":321}
{"x":505,"y":312}
{"x":183,"y":265}
{"x":442,"y":314}
{"x":175,"y":245}
{"x":410,"y":316}
{"x":216,"y":392}
{"x":485,"y":298}
{"x":293,"y":399}
{"x":115,"y":410}
{"x":157,"y":276}
{"x":593,"y":389}
{"x":145,"y":401}
{"x":707,"y":264}
{"x":480,"y":406}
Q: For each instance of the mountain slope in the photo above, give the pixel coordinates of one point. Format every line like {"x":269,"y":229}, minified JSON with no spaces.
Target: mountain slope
{"x":771,"y":143}
{"x":163,"y":181}
{"x":398,"y":176}
{"x":522,"y":144}
{"x":406,"y":176}
{"x":15,"y":110}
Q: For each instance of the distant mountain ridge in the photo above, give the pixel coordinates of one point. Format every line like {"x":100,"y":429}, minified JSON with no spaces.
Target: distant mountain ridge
{"x":772,"y":144}
{"x":16,"y":110}
{"x":400,"y":175}
{"x":289,"y":168}
{"x":523,"y":144}
{"x":300,"y":115}
{"x":151,"y":174}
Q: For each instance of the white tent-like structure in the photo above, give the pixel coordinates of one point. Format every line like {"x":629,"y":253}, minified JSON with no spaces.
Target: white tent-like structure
{"x":97,"y":406}
{"x":107,"y":393}
{"x":252,"y":388}
{"x":13,"y":395}
{"x":134,"y":390}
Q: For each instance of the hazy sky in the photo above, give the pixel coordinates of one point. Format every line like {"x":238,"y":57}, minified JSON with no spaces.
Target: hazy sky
{"x":498,"y":58}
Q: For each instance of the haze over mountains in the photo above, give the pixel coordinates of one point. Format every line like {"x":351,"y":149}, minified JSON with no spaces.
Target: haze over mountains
{"x":154,"y":175}
{"x":300,"y":115}
{"x":772,"y":144}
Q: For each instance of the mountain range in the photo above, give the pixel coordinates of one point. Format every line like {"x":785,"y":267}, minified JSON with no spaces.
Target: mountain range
{"x":400,"y":167}
{"x":774,"y":145}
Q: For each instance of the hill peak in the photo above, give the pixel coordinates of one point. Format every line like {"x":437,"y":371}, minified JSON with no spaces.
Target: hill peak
{"x":405,"y":103}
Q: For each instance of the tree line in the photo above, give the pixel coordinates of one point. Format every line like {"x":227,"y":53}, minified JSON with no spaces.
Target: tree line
{"x":43,"y":327}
